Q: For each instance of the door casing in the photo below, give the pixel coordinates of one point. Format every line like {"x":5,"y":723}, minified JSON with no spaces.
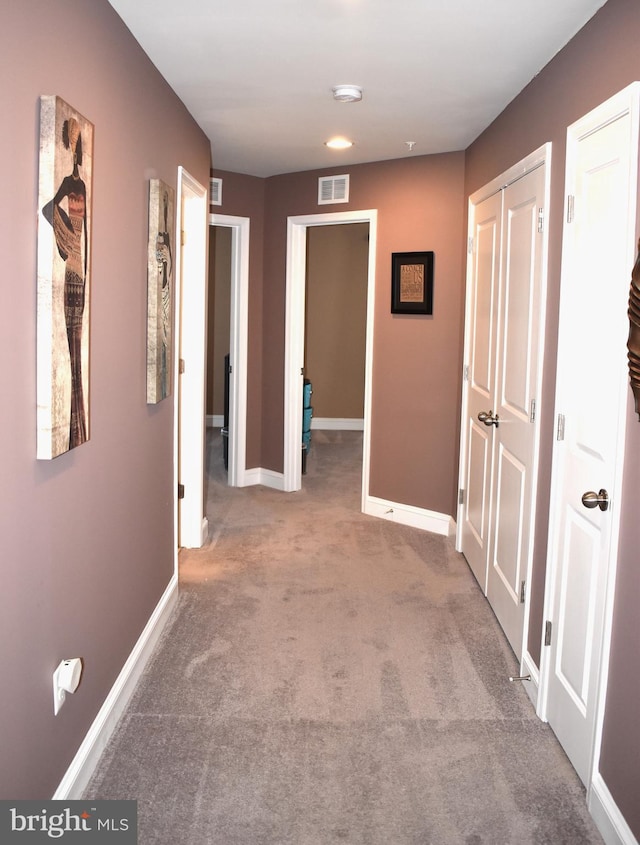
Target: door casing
{"x":294,"y":338}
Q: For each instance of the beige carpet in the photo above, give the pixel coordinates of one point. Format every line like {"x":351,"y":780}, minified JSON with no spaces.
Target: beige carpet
{"x":333,"y":678}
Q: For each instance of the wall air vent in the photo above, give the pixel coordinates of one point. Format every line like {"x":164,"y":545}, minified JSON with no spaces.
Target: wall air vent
{"x":332,"y":189}
{"x":215,"y":190}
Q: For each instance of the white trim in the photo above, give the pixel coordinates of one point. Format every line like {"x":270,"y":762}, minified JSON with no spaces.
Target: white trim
{"x":607,"y":816}
{"x":436,"y":523}
{"x":238,"y":342}
{"x":265,"y":477}
{"x":86,"y":759}
{"x":337,"y":424}
{"x":512,"y":174}
{"x":215,"y":420}
{"x":294,"y":338}
{"x":189,"y":403}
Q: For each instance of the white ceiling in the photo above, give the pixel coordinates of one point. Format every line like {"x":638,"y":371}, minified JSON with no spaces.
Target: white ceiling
{"x":257,"y":74}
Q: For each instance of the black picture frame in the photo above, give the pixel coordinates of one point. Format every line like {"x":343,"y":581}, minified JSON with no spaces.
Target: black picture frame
{"x":412,"y":282}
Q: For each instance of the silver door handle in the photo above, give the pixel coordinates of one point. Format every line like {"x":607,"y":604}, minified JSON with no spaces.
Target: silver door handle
{"x":596,"y":500}
{"x":487,"y":418}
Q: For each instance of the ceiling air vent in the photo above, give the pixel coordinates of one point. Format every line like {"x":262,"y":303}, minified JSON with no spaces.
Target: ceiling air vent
{"x":215,"y":190}
{"x":333,"y":189}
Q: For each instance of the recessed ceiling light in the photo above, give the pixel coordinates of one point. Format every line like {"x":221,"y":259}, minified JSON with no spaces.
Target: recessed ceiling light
{"x":339,"y":143}
{"x":347,"y":93}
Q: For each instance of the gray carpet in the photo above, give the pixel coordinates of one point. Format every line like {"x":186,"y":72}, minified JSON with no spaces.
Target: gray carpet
{"x":332,"y":678}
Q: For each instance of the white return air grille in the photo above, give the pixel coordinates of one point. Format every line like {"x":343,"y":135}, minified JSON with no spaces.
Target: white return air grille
{"x":215,"y":191}
{"x":332,"y":189}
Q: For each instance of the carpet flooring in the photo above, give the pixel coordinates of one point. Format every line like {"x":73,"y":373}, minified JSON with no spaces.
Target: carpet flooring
{"x":328,"y":677}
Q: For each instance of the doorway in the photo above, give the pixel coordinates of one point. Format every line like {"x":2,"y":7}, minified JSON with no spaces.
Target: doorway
{"x":238,"y":316}
{"x":295,"y":338}
{"x":335,"y":324}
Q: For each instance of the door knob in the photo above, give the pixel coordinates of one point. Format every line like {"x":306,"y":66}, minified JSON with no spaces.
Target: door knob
{"x":488,"y":419}
{"x":596,"y":500}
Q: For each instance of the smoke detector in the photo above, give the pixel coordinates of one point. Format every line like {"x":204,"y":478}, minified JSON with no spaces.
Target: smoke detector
{"x":347,"y":93}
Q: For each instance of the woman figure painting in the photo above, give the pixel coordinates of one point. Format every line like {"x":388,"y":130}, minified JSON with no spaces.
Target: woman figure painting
{"x":165,"y":270}
{"x":70,"y":232}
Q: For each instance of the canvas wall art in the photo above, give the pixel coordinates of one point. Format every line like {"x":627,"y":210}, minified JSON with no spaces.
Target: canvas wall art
{"x":160,"y":290}
{"x":64,"y":261}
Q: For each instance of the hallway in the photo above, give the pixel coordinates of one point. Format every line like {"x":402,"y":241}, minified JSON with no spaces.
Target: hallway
{"x":329,"y":677}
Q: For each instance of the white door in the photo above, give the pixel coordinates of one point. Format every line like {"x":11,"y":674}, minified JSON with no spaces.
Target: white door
{"x":598,"y":254}
{"x":505,"y":318}
{"x":514,"y":403}
{"x":482,"y":322}
{"x":190,"y":522}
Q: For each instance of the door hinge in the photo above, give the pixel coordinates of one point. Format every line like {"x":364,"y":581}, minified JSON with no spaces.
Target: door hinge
{"x":183,"y":237}
{"x":532,"y":413}
{"x":560,"y":429}
{"x":540,"y":221}
{"x":181,"y":491}
{"x":461,"y":496}
{"x":470,"y":246}
{"x":571,"y":210}
{"x":465,"y":372}
{"x":523,"y":593}
{"x":547,"y":633}
{"x":181,"y":366}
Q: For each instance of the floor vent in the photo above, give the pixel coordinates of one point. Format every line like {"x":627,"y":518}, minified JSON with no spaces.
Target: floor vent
{"x":332,"y":189}
{"x":215,"y":191}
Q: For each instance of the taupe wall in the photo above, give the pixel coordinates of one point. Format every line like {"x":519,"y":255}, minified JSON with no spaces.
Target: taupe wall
{"x":87,"y":539}
{"x":602,"y":59}
{"x":336,"y":318}
{"x":218,"y":307}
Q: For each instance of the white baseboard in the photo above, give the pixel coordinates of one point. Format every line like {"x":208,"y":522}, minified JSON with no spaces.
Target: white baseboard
{"x":608,"y":818}
{"x":437,"y":523}
{"x":265,"y":477}
{"x":337,"y":424}
{"x":83,"y":764}
{"x":215,"y":420}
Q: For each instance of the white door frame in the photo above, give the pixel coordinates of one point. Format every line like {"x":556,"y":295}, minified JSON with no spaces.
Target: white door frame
{"x":190,"y":524}
{"x":626,"y":101}
{"x":294,"y":338}
{"x":238,"y":342}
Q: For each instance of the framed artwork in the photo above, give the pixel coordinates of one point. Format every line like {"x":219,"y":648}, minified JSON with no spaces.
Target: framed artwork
{"x":64,"y":261}
{"x":412,"y":283}
{"x":160,"y":290}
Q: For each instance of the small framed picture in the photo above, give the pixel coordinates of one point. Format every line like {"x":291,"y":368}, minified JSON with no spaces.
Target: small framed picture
{"x":412,"y":283}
